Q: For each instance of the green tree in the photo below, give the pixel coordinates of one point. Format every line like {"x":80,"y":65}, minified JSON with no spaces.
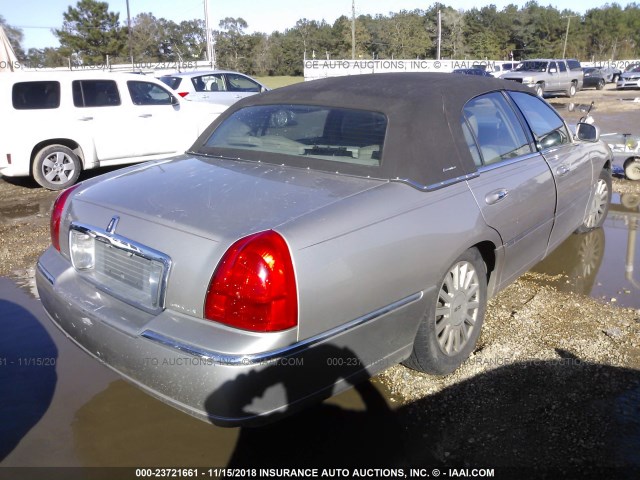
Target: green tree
{"x":232,"y":45}
{"x":46,"y":57}
{"x":15,"y":37}
{"x":91,"y":32}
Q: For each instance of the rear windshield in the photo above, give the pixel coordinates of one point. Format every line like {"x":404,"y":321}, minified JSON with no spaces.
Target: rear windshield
{"x":173,"y":82}
{"x":300,"y":134}
{"x":36,"y":95}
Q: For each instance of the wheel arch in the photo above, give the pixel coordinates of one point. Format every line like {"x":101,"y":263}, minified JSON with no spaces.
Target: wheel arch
{"x":487,"y":251}
{"x":71,"y":144}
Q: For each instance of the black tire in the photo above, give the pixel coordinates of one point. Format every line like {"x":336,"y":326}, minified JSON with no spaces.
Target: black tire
{"x":573,"y":88}
{"x":539,"y":89}
{"x":600,"y":84}
{"x":632,"y":168}
{"x":56,"y":167}
{"x":454,"y":326}
{"x":599,"y":204}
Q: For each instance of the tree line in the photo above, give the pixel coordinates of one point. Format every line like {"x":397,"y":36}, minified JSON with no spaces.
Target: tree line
{"x":91,"y":34}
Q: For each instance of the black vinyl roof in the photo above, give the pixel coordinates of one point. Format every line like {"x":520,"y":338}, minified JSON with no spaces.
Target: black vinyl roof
{"x":424,"y":141}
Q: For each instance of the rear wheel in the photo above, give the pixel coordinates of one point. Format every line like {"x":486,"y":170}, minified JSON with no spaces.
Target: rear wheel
{"x":572,"y":89}
{"x":539,"y":89}
{"x":56,"y":167}
{"x":600,"y":84}
{"x":632,"y":168}
{"x":451,"y":325}
{"x":599,"y":206}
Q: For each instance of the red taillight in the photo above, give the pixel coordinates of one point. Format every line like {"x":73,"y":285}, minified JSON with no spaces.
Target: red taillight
{"x":183,"y":94}
{"x":254,"y":286}
{"x":56,"y":215}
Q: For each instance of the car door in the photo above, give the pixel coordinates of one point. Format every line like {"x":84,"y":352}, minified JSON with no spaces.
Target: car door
{"x":568,"y":160}
{"x":241,"y":86}
{"x":101,"y":113}
{"x":552,"y":83}
{"x":160,"y":125}
{"x":515,"y":190}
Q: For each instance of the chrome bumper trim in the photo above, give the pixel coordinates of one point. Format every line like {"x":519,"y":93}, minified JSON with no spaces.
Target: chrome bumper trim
{"x":45,"y":273}
{"x":274,"y":355}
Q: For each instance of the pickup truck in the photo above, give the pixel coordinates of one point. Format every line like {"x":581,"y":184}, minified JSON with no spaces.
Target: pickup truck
{"x":549,"y":76}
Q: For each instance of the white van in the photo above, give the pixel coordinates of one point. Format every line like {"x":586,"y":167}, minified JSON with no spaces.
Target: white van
{"x":56,"y":124}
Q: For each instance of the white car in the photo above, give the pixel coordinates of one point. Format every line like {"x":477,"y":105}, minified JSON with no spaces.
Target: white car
{"x":56,"y":124}
{"x":214,"y":86}
{"x":500,"y":69}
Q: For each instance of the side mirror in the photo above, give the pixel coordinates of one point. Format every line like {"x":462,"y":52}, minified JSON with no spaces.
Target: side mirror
{"x":174,"y":100}
{"x":587,"y":132}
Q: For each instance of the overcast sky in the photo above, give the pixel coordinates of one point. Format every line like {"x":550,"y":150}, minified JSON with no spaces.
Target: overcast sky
{"x":36,"y":18}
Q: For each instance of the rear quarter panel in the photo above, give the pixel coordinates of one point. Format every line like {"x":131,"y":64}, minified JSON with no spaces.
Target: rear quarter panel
{"x":376,"y":248}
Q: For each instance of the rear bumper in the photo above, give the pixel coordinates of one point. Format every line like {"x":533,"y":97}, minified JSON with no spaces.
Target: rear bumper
{"x":228,"y":390}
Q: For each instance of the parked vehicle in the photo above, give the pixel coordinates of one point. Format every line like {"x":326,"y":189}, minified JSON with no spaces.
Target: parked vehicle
{"x":500,"y":69}
{"x":316,"y":234}
{"x":57,"y":124}
{"x":549,"y":76}
{"x":472,"y":71}
{"x":214,"y":86}
{"x":593,"y":78}
{"x":626,"y":152}
{"x":610,"y":74}
{"x":629,"y":79}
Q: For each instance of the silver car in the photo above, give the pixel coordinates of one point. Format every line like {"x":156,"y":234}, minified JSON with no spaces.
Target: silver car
{"x":317,"y":234}
{"x":629,"y":79}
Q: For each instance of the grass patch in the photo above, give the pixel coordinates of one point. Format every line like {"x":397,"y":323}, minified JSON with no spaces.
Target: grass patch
{"x":276,"y":82}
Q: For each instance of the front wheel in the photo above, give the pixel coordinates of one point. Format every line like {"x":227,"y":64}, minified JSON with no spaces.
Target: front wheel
{"x":451,"y":325}
{"x":600,"y":84}
{"x":56,"y":167}
{"x":599,"y":206}
{"x":632,"y":168}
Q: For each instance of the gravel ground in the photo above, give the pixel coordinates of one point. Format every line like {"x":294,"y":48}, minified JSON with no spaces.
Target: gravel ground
{"x":554,"y":382}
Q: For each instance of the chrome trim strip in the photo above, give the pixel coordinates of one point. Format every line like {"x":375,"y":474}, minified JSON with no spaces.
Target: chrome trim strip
{"x":511,"y":161}
{"x":123,"y":243}
{"x":50,"y":278}
{"x":273,"y":355}
{"x":436,"y":186}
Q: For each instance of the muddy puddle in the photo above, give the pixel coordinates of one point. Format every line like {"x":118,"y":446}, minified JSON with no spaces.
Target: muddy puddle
{"x":604,"y":263}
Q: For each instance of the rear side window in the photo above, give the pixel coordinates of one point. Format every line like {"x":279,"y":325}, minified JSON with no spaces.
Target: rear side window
{"x":562,"y":66}
{"x":95,"y":93}
{"x":146,"y":93}
{"x":172,"y":82}
{"x":304,"y":132}
{"x":36,"y":95}
{"x":574,"y":65}
{"x":208,"y":83}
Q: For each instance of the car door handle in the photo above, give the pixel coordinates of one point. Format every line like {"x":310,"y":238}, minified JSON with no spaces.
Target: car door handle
{"x":561,"y":171}
{"x":495,"y":196}
{"x":146,"y":115}
{"x":85,"y":119}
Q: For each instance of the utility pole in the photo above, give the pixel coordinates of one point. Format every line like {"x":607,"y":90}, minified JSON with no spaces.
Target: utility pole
{"x":211,"y":54}
{"x":439,"y":33}
{"x":130,"y":33}
{"x":566,"y":35}
{"x":353,"y":29}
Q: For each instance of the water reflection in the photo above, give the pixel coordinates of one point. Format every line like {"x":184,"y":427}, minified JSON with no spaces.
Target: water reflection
{"x":603,"y":263}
